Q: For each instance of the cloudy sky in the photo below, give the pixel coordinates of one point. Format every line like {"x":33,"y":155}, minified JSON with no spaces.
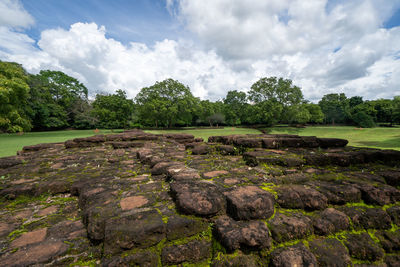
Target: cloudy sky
{"x":213,"y":46}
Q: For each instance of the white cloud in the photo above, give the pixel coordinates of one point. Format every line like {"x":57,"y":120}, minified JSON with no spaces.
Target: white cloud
{"x":324,"y":46}
{"x":13,"y":14}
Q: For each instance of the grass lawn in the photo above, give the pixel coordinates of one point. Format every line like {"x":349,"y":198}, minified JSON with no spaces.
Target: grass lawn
{"x":11,"y":143}
{"x":380,"y":137}
{"x":205,"y":133}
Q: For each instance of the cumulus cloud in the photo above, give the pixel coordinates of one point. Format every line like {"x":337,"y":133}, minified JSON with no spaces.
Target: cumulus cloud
{"x":13,"y":14}
{"x":324,"y":46}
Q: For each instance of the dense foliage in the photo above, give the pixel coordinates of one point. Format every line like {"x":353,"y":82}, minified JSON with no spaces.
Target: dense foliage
{"x":53,"y":100}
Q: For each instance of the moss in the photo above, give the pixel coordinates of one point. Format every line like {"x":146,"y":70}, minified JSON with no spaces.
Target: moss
{"x":16,"y":233}
{"x":90,"y":263}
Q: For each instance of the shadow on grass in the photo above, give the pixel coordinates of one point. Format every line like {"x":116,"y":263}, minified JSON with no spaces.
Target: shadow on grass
{"x":393,"y":143}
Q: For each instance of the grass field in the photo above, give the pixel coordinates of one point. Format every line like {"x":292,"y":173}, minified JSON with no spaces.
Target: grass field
{"x":11,"y":143}
{"x":384,"y":138}
{"x":380,"y":137}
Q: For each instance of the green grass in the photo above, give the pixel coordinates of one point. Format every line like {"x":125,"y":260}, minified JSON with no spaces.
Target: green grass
{"x":380,"y":137}
{"x":205,"y":133}
{"x":11,"y":143}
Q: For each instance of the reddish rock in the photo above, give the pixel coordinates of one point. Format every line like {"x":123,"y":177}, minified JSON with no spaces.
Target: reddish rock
{"x":289,"y":227}
{"x":161,"y":167}
{"x":7,"y":162}
{"x":234,"y":235}
{"x":250,"y":202}
{"x":36,"y":254}
{"x":297,"y":255}
{"x":137,"y":230}
{"x":330,"y":221}
{"x":301,"y":197}
{"x":367,"y":218}
{"x":212,"y":174}
{"x":198,"y":198}
{"x":29,"y":238}
{"x":330,"y":252}
{"x":132,"y":202}
{"x":193,"y":251}
{"x":6,"y":228}
{"x":362,"y":246}
{"x":47,"y":211}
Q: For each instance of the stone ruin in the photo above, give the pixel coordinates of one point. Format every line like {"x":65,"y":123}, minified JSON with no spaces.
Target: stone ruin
{"x":138,"y":199}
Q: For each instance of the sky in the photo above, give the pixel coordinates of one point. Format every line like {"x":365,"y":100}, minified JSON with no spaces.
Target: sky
{"x":212,"y":46}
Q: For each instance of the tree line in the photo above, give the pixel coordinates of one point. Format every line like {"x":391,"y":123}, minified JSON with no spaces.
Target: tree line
{"x":52,"y":100}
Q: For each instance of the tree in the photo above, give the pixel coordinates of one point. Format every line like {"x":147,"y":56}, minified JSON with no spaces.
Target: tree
{"x":384,"y":110}
{"x":166,"y":103}
{"x":14,"y":92}
{"x":66,"y":91}
{"x":113,"y":110}
{"x":316,"y":114}
{"x":363,"y":120}
{"x":44,"y":112}
{"x":272,"y":97}
{"x":298,"y":114}
{"x":235,"y":106}
{"x":334,"y":107}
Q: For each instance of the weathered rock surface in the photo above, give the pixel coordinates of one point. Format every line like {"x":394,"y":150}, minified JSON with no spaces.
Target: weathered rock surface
{"x":138,"y":199}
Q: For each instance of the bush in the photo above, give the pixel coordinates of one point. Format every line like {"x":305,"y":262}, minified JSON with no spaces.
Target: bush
{"x":363,"y":120}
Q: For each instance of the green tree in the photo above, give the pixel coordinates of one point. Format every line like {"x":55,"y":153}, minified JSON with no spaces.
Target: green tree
{"x":44,"y":111}
{"x":363,"y":120}
{"x":235,"y":107}
{"x":272,"y":98}
{"x":334,"y":107}
{"x":67,"y":92}
{"x":166,"y":103}
{"x":385,"y":110}
{"x":298,"y":114}
{"x":14,"y":92}
{"x":113,"y":110}
{"x":316,"y":114}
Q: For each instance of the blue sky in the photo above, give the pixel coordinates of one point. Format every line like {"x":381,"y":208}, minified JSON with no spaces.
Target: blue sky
{"x":138,"y":20}
{"x":213,"y":46}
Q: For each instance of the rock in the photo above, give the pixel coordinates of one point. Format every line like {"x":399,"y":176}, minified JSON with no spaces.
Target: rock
{"x":330,"y":221}
{"x":374,"y":196}
{"x":392,"y":260}
{"x":301,"y":197}
{"x":254,"y":158}
{"x":389,"y":240}
{"x":161,"y":167}
{"x":137,"y":230}
{"x":285,"y":228}
{"x":330,"y":252}
{"x":361,"y":246}
{"x":238,"y":261}
{"x":47,"y":211}
{"x":35,"y":254}
{"x":394,"y":213}
{"x":296,"y":255}
{"x":226,"y":150}
{"x":6,"y":228}
{"x":213,"y":174}
{"x":27,"y":238}
{"x":233,"y":235}
{"x":339,"y":194}
{"x":37,"y":147}
{"x":367,"y":218}
{"x":248,"y":142}
{"x":392,"y":177}
{"x":250,"y":202}
{"x":145,"y":259}
{"x":133,"y":202}
{"x":193,"y":251}
{"x":198,"y":198}
{"x":117,"y":145}
{"x":180,"y":173}
{"x":7,"y":162}
{"x":201,"y":150}
{"x":332,"y":142}
{"x":178,"y":227}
